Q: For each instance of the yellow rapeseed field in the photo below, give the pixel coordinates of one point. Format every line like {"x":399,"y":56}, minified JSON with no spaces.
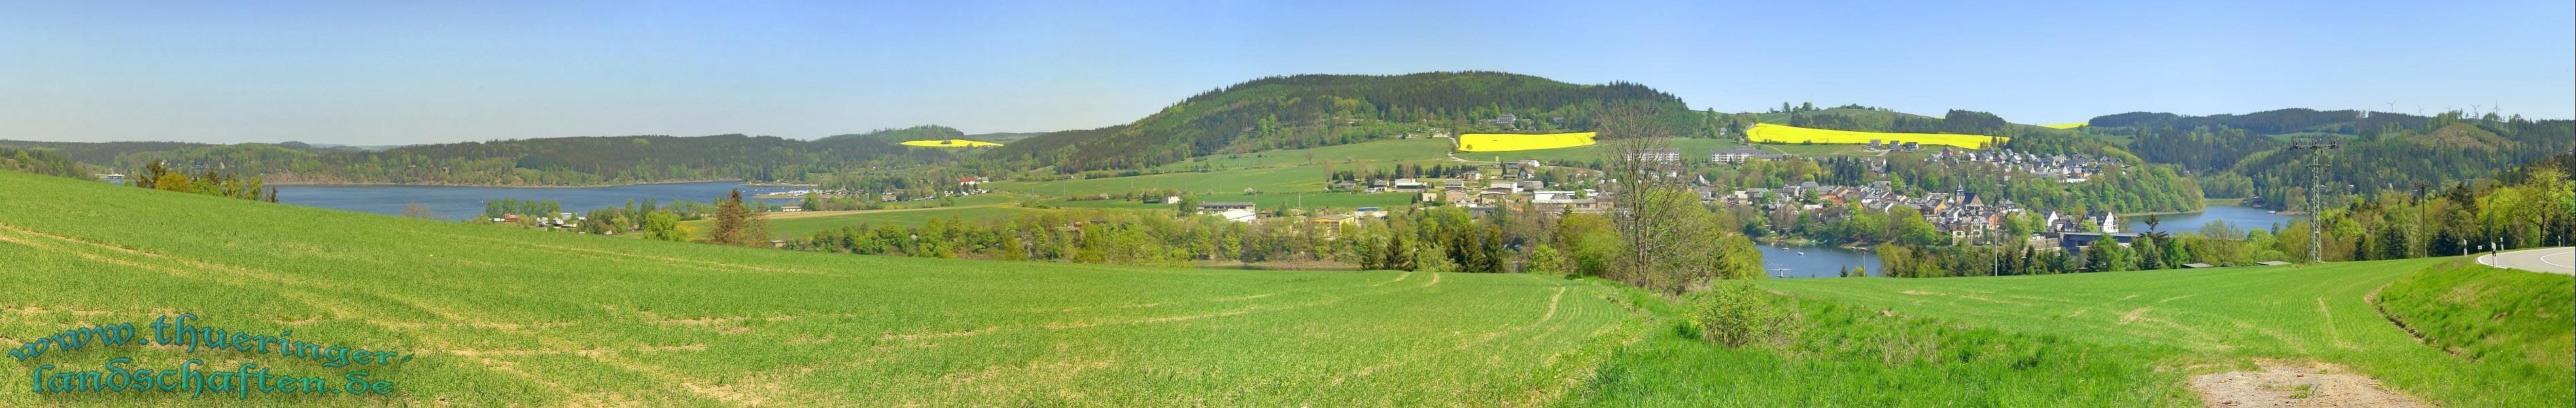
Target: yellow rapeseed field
{"x":1491,"y":142}
{"x":1765,"y":132}
{"x":2063,"y":126}
{"x":949,"y":143}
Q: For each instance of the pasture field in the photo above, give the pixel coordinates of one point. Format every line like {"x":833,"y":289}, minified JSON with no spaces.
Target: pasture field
{"x":1390,"y":150}
{"x":1846,"y":356}
{"x":1264,"y":201}
{"x":1493,"y":142}
{"x":1690,"y":148}
{"x":500,"y":316}
{"x":950,"y":143}
{"x":1810,"y":151}
{"x":2224,"y":317}
{"x":786,"y":226}
{"x":1775,"y":133}
{"x":1285,"y":179}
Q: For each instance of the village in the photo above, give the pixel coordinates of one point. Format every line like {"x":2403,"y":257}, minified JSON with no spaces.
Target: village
{"x":1962,"y":216}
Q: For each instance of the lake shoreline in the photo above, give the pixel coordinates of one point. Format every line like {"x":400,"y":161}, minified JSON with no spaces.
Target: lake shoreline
{"x":2205,"y":205}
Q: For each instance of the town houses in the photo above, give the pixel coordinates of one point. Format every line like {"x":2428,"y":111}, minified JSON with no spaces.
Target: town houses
{"x":2064,"y":168}
{"x":1964,"y":216}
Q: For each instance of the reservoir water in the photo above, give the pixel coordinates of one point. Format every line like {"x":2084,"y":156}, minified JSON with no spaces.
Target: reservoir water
{"x":1818,"y":262}
{"x":2243,"y":218}
{"x":458,"y":203}
{"x":1828,"y":261}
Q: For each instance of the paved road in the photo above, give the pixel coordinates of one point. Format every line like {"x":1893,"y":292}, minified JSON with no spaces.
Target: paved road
{"x":2560,"y":260}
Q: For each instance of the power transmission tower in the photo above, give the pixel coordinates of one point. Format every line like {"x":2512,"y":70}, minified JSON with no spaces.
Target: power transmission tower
{"x":2316,"y":192}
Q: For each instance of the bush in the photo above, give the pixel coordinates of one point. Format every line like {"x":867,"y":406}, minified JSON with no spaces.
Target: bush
{"x":1736,"y":314}
{"x":1433,"y":259}
{"x":1545,"y":260}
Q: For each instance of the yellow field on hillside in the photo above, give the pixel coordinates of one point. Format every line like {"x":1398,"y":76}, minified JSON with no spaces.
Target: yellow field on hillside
{"x":2063,"y":125}
{"x":1491,"y":142}
{"x":1765,"y":132}
{"x":950,"y":143}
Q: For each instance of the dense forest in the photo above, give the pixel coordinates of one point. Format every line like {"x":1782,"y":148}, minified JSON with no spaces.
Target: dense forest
{"x":545,"y":161}
{"x":2244,"y":156}
{"x":1301,"y":111}
{"x":2271,"y":122}
{"x":46,"y":162}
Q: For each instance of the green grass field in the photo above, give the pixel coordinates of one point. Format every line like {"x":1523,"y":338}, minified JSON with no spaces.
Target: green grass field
{"x":1813,"y":149}
{"x":1307,"y":178}
{"x":501,"y":316}
{"x":2224,"y":316}
{"x":1372,"y":151}
{"x":1266,"y":201}
{"x":1690,"y":148}
{"x":801,"y":227}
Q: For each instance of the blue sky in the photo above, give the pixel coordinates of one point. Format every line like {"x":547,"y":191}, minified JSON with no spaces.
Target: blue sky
{"x":423,"y":72}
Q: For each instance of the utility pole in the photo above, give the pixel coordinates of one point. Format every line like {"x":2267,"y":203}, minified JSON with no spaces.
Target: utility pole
{"x":2316,"y":192}
{"x":2420,"y":190}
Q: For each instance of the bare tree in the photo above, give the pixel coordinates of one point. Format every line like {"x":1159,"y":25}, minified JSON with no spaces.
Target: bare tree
{"x":1636,"y":181}
{"x":415,"y":209}
{"x":1671,"y":242}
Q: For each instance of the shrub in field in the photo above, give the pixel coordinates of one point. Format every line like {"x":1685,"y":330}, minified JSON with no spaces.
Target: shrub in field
{"x":1736,"y":314}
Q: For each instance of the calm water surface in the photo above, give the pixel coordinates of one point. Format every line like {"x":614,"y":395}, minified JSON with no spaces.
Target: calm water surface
{"x":457,"y":203}
{"x":1818,"y":262}
{"x":2243,"y":218}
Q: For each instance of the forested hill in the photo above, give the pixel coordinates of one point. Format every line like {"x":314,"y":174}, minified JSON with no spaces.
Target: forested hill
{"x":2245,"y":155}
{"x":2271,"y":122}
{"x":1303,"y":111}
{"x":543,"y":161}
{"x":2026,"y":138}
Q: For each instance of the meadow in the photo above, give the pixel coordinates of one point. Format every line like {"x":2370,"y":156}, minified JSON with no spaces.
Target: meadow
{"x":1354,"y":154}
{"x":1491,"y":142}
{"x":791,"y":226}
{"x":501,"y":316}
{"x":504,"y":316}
{"x":1280,"y":179}
{"x":2189,"y":321}
{"x":1691,"y":149}
{"x":1775,"y":133}
{"x":1265,"y":201}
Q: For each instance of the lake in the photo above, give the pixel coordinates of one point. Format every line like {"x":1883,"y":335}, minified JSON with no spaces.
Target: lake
{"x":2243,"y":218}
{"x":458,"y":203}
{"x":1818,"y":262}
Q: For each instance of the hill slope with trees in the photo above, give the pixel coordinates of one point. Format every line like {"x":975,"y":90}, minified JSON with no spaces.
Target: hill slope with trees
{"x":1302,"y":111}
{"x":543,"y":161}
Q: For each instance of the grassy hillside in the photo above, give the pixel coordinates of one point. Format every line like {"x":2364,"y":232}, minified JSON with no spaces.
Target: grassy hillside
{"x":500,"y":316}
{"x":1348,"y":155}
{"x":508,"y":317}
{"x":2223,"y":317}
{"x":1693,"y":149}
{"x":2488,"y":314}
{"x":800,"y":225}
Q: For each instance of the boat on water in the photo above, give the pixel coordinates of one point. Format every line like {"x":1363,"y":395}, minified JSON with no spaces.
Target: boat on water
{"x":1802,"y":252}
